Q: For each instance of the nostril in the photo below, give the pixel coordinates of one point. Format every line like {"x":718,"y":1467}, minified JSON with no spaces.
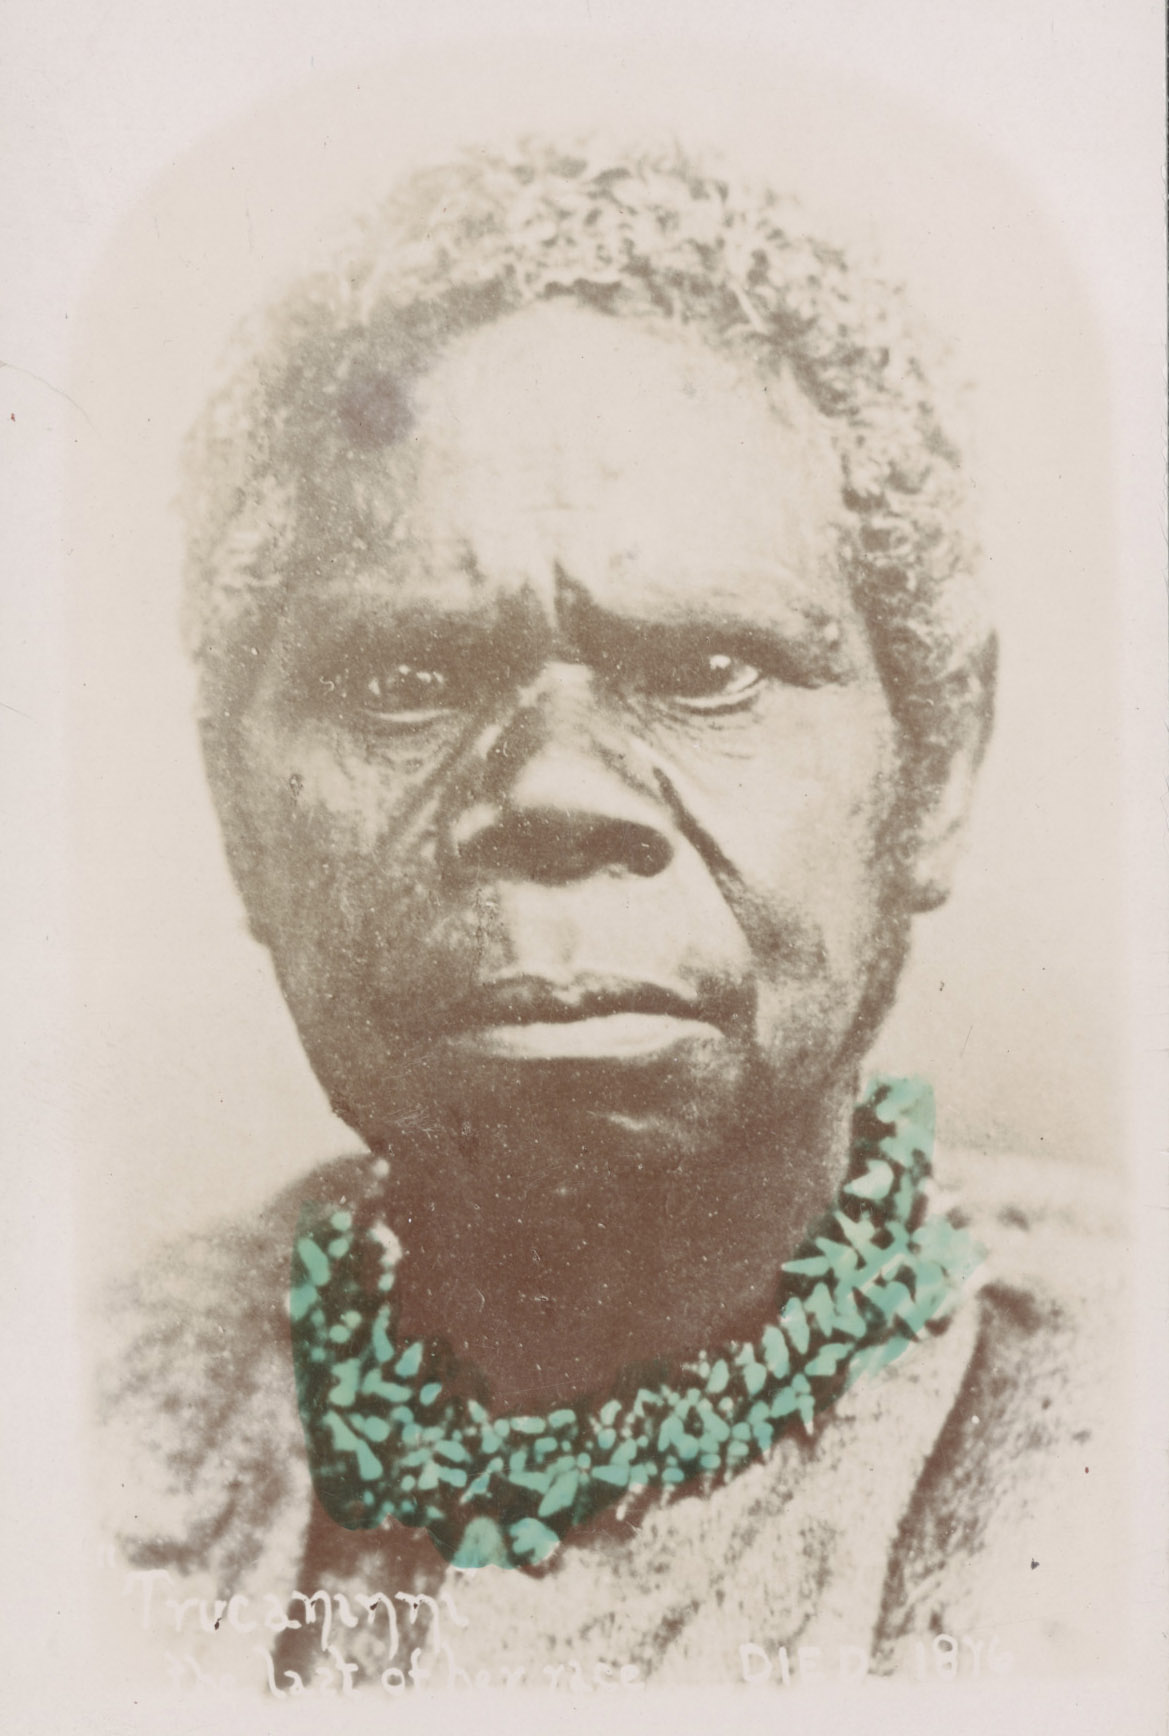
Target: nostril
{"x":556,"y":848}
{"x":641,"y":849}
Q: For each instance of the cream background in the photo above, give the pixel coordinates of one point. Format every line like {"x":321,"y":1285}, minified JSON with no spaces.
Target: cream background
{"x":131,"y":1090}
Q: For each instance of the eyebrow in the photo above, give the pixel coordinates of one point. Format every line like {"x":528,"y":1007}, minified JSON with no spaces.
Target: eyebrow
{"x":796,"y":621}
{"x":336,"y":612}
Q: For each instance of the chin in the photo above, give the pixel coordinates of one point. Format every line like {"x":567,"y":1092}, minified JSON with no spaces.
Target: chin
{"x":586,"y":1113}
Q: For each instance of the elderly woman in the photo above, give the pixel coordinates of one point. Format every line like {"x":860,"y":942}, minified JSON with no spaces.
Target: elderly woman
{"x":593,"y":681}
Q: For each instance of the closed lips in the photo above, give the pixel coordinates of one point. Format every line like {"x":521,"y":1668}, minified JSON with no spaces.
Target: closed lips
{"x":530,"y":1000}
{"x":532,"y":1018}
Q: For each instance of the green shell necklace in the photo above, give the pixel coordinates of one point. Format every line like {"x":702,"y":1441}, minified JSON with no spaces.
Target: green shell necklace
{"x":387,"y":1437}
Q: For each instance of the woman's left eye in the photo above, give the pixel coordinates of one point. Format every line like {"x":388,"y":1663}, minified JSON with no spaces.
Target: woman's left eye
{"x":707,"y":681}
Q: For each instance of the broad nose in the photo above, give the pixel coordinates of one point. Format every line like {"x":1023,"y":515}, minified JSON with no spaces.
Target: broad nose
{"x":550,"y":799}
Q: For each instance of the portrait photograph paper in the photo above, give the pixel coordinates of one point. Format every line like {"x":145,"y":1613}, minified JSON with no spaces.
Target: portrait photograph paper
{"x":584,"y":698}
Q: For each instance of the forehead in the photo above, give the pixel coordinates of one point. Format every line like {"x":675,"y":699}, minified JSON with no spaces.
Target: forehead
{"x":638,"y":463}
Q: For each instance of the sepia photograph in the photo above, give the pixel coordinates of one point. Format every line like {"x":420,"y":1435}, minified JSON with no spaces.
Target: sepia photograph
{"x":603,"y":1145}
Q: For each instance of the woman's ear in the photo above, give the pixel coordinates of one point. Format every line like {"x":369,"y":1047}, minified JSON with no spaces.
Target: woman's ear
{"x":939,"y":833}
{"x":939,"y":836}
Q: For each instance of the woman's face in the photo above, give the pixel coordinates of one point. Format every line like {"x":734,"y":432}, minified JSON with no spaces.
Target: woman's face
{"x":568,"y":776}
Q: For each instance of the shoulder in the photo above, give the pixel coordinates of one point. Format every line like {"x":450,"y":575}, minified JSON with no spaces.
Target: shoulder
{"x":1016,"y":1522}
{"x":201,"y":1449}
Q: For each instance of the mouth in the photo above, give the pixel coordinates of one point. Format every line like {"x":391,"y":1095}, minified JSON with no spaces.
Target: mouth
{"x":589,"y":1018}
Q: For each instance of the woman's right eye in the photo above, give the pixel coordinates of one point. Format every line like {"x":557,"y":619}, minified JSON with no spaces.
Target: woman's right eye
{"x":396,"y":695}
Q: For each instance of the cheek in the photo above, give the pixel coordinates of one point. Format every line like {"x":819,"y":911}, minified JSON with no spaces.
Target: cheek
{"x":804,"y":821}
{"x":351,"y":800}
{"x":339,"y":872}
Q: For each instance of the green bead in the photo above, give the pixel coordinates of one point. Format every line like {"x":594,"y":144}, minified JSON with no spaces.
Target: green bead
{"x":847,"y":1316}
{"x":409,"y":1362}
{"x":313,"y":1260}
{"x":860,"y":1232}
{"x":532,"y":1540}
{"x":827,"y":1360}
{"x":482,"y":1545}
{"x":819,"y":1306}
{"x":813,"y":1267}
{"x":775,"y":1352}
{"x":561,"y":1494}
{"x":719,"y":1376}
{"x":345,"y":1375}
{"x":795,"y":1323}
{"x":369,"y":1466}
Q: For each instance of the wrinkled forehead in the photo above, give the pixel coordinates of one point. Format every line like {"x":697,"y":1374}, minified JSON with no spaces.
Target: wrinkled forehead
{"x":561,"y":443}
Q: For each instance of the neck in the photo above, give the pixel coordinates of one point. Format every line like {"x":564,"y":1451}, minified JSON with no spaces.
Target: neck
{"x":553,"y":1268}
